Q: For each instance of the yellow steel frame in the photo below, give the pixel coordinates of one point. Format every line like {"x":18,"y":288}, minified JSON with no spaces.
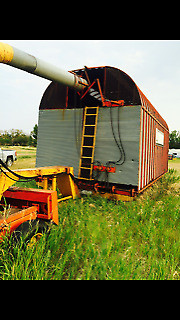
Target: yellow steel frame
{"x":61,"y":178}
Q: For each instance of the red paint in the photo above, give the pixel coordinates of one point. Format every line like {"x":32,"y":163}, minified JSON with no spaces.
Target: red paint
{"x":104,"y":169}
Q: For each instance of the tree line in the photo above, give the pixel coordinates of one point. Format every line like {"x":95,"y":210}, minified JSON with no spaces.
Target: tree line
{"x":174,"y":140}
{"x":15,"y":137}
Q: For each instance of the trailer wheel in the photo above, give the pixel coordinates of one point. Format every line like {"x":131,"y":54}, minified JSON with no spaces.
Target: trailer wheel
{"x":9,"y":161}
{"x":29,"y":229}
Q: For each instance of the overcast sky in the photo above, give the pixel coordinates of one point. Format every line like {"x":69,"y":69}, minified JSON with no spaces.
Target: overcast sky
{"x":153,"y":65}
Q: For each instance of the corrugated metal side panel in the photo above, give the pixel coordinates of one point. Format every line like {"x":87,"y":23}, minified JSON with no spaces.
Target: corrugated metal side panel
{"x":161,"y":153}
{"x":107,"y":150}
{"x":146,"y":168}
{"x":59,"y":139}
{"x":153,"y":158}
{"x":146,"y":104}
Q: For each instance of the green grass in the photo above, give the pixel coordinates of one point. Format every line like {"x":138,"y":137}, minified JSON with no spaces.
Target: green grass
{"x":27,"y":157}
{"x":99,"y":239}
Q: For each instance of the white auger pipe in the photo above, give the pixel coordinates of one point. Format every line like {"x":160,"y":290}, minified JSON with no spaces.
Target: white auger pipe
{"x":24,"y":61}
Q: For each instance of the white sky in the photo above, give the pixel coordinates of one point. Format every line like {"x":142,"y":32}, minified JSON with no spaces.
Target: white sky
{"x":153,"y":65}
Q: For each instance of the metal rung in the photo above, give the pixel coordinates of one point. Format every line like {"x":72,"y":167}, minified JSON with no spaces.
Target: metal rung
{"x":83,"y":157}
{"x":88,"y":136}
{"x":92,"y":107}
{"x":87,"y":146}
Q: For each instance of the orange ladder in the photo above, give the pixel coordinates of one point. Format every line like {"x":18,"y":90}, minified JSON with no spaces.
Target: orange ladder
{"x":88,"y":143}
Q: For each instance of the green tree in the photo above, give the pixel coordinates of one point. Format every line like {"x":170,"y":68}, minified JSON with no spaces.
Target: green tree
{"x":33,"y":136}
{"x":174,"y":140}
{"x":18,"y":137}
{"x":14,"y":137}
{"x":5,"y":138}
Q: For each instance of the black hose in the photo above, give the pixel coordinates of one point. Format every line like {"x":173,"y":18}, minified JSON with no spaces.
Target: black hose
{"x":15,"y":174}
{"x":119,"y":145}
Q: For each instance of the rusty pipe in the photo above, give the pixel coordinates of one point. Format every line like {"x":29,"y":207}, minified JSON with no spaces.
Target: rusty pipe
{"x":24,"y":61}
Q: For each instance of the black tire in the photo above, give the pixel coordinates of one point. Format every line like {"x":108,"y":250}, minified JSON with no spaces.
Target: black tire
{"x":9,"y":161}
{"x":29,"y":229}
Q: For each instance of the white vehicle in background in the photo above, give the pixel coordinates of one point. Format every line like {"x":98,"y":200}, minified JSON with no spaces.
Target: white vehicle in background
{"x":175,"y":153}
{"x":8,"y":156}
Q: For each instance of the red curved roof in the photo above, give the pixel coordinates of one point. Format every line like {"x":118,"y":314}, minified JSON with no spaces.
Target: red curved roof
{"x":115,"y":85}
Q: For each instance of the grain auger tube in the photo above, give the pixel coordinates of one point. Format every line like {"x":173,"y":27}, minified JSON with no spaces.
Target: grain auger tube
{"x":25,"y":206}
{"x":26,"y":62}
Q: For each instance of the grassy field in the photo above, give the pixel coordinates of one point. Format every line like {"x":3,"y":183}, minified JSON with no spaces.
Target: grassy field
{"x":175,"y":164}
{"x":26,"y":157}
{"x":99,"y":239}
